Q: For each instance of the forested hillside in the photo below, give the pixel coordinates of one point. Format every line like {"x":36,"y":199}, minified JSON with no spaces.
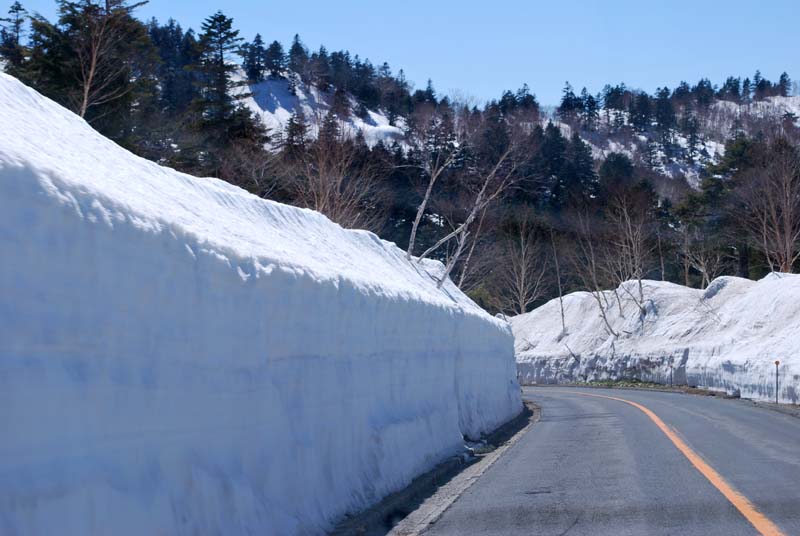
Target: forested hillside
{"x":521,"y":202}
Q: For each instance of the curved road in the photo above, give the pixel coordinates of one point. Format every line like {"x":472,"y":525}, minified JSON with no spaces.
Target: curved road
{"x":598,"y":466}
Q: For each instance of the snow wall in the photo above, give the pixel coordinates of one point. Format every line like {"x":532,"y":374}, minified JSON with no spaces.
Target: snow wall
{"x":725,"y":338}
{"x":178,"y":356}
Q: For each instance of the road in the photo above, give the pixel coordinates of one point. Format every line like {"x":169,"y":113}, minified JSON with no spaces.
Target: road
{"x":598,"y":466}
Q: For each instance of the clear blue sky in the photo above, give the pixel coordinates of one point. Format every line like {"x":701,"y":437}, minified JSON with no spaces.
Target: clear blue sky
{"x":483,"y":47}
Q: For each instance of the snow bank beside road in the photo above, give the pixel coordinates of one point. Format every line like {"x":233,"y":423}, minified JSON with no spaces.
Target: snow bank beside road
{"x":726,"y":337}
{"x":178,"y":356}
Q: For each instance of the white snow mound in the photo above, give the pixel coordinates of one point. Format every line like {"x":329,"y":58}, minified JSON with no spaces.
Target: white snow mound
{"x":726,"y":337}
{"x":178,"y":356}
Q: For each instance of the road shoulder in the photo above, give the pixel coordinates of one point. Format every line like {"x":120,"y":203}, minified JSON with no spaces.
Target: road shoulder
{"x":413,"y":509}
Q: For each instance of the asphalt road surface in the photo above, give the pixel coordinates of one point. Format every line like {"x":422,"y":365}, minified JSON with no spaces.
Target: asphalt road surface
{"x":598,"y":466}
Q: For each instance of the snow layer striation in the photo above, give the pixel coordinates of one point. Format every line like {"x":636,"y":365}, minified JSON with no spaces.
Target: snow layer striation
{"x":178,"y":356}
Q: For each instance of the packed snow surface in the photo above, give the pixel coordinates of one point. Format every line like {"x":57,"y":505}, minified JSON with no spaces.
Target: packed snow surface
{"x":178,"y":356}
{"x":726,"y":337}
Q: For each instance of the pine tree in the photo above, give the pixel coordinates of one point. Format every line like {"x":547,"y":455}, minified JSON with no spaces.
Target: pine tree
{"x":760,"y":87}
{"x":665,"y":118}
{"x":330,"y":131}
{"x":616,"y":172}
{"x":429,"y":94}
{"x":526,"y":100}
{"x":690,"y":127}
{"x":571,"y":106}
{"x":275,"y":59}
{"x":217,"y":42}
{"x":253,"y":59}
{"x":96,"y":60}
{"x":341,"y":104}
{"x":223,"y":121}
{"x":703,"y":93}
{"x":298,"y":57}
{"x":579,"y":180}
{"x":784,"y":85}
{"x":11,"y":49}
{"x":747,"y":91}
{"x":641,"y":112}
{"x":179,"y":54}
{"x":321,"y":69}
{"x":294,"y":145}
{"x":731,"y":90}
{"x":590,"y":109}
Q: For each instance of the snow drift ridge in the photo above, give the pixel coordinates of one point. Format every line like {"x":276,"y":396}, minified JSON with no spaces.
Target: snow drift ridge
{"x":725,"y":337}
{"x":179,"y":356}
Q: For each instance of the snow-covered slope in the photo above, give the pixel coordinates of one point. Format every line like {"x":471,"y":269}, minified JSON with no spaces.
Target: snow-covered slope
{"x":274,"y":104}
{"x":715,"y":126}
{"x":726,"y":337}
{"x":178,"y":356}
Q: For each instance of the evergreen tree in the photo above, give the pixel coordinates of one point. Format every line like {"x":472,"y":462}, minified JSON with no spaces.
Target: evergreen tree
{"x":747,"y":91}
{"x":590,"y":111}
{"x":96,"y":60}
{"x":223,"y":122}
{"x":11,"y":32}
{"x":341,"y":104}
{"x":761,"y":87}
{"x":298,"y":57}
{"x":578,"y":178}
{"x":294,"y":145}
{"x":275,"y":59}
{"x":703,"y":93}
{"x":550,"y":163}
{"x":731,"y":90}
{"x":429,"y":95}
{"x":253,"y":59}
{"x":641,"y":112}
{"x":784,"y":85}
{"x":179,"y":54}
{"x":571,"y":106}
{"x":690,"y":126}
{"x":320,"y":69}
{"x":330,"y":131}
{"x":683,"y":94}
{"x":616,"y":171}
{"x":665,"y":118}
{"x":217,"y":42}
{"x":526,"y":100}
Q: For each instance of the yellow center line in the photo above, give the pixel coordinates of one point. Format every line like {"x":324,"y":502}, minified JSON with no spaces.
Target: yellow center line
{"x":756,"y":518}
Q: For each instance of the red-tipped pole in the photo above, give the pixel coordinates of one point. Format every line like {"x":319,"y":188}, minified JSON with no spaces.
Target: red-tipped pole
{"x":777,"y":363}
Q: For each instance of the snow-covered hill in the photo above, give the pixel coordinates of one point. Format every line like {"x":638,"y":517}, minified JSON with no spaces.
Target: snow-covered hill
{"x":715,"y":126}
{"x":178,"y":356}
{"x":273,"y":102}
{"x":726,"y":337}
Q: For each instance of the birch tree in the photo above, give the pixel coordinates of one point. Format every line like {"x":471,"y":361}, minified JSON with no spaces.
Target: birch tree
{"x":522,"y":269}
{"x":435,"y":143}
{"x":771,"y":196}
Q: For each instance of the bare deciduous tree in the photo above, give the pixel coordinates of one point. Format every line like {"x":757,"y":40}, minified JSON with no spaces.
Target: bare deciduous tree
{"x":494,"y":181}
{"x":521,"y":274}
{"x":434,"y":139}
{"x":102,"y":30}
{"x":771,"y":196}
{"x":587,"y":261}
{"x":252,"y":168}
{"x":627,"y":246}
{"x":332,"y":179}
{"x":700,"y":253}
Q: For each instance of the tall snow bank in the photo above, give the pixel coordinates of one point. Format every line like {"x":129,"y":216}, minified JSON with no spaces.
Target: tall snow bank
{"x":726,"y":337}
{"x":178,"y":356}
